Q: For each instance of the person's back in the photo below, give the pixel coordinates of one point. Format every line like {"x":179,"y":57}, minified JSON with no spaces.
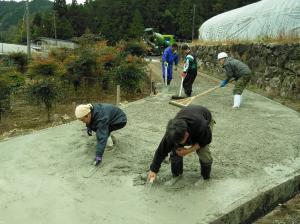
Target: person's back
{"x":198,"y":119}
{"x":192,"y":61}
{"x":237,"y":67}
{"x":107,"y":113}
{"x":192,"y":126}
{"x":237,"y":70}
{"x":102,"y":119}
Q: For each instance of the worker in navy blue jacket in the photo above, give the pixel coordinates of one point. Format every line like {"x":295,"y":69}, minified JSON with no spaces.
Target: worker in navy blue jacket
{"x":169,"y":58}
{"x":102,"y":119}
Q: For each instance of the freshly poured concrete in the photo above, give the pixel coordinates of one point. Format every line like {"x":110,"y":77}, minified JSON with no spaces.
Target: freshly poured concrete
{"x":255,"y":148}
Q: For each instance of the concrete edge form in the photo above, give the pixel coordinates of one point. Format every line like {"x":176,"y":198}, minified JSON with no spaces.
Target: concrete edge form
{"x":256,"y":205}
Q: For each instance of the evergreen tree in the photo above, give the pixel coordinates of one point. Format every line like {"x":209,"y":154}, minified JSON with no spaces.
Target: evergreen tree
{"x":184,"y":19}
{"x":60,"y":7}
{"x":117,"y":19}
{"x":168,"y":23}
{"x":136,"y":28}
{"x":64,"y":29}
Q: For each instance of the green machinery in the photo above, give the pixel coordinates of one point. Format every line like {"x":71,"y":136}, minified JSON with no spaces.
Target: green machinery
{"x":156,"y":41}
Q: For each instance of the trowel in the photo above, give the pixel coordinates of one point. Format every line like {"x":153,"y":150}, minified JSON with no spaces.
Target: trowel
{"x":149,"y":184}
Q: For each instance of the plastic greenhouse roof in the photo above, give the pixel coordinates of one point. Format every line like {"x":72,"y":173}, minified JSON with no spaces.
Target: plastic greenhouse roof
{"x":266,"y":18}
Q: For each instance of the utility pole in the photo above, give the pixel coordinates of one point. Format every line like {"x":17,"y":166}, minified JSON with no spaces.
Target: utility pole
{"x":194,"y":9}
{"x":1,"y":36}
{"x":1,"y":40}
{"x":28,"y":31}
{"x":54,"y":23}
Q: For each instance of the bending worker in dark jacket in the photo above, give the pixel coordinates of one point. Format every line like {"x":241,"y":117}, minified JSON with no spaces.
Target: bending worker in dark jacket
{"x":192,"y":126}
{"x":102,"y":119}
{"x":238,"y":71}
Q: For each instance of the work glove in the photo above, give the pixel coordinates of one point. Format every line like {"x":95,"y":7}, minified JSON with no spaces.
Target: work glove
{"x":97,"y":161}
{"x":89,"y":131}
{"x":166,"y":64}
{"x":183,"y":74}
{"x":223,"y":83}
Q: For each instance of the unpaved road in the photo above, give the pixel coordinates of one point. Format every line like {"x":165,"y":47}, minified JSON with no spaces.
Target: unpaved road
{"x":41,"y":174}
{"x":286,"y":213}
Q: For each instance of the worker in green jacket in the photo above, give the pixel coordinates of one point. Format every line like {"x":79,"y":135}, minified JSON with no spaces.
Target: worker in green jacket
{"x":238,"y":71}
{"x":189,"y":70}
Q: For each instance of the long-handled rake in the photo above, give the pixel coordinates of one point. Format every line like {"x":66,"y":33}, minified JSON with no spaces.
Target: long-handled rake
{"x":187,"y":101}
{"x":180,"y":91}
{"x":166,"y":75}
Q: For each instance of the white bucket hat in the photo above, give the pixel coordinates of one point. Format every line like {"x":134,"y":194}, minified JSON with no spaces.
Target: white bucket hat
{"x":82,"y":110}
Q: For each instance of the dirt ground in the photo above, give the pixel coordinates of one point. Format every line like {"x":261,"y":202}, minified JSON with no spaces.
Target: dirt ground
{"x":41,"y":178}
{"x":287,"y":213}
{"x":24,"y":118}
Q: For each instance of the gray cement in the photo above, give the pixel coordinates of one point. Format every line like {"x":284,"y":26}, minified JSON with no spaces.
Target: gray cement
{"x":255,"y":148}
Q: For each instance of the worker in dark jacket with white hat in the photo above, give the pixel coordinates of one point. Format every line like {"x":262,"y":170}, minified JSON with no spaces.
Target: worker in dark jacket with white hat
{"x":238,"y":71}
{"x":102,"y":119}
{"x":190,"y":131}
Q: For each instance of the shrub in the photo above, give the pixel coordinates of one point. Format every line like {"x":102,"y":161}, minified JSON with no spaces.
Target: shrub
{"x":60,"y":54}
{"x":43,"y":93}
{"x":10,"y":81}
{"x":108,"y":57}
{"x":5,"y":92}
{"x":130,"y":74}
{"x":45,"y":68}
{"x":15,"y":79}
{"x":20,"y":59}
{"x":83,"y":64}
{"x":137,"y":48}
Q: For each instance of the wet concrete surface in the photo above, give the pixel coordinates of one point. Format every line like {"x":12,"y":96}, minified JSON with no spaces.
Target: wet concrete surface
{"x":255,"y":148}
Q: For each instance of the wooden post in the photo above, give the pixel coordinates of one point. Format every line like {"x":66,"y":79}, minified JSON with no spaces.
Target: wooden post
{"x":118,"y":95}
{"x":73,"y":106}
{"x":154,"y":88}
{"x":150,"y":73}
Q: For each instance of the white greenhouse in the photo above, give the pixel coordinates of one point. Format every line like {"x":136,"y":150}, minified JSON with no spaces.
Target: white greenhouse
{"x":266,"y":18}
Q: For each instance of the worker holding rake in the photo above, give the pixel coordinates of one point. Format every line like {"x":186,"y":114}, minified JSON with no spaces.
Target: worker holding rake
{"x":190,"y":131}
{"x":189,"y":70}
{"x":102,"y":119}
{"x":169,"y":58}
{"x":238,"y":71}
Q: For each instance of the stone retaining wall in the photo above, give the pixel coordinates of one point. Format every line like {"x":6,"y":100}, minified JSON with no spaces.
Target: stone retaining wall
{"x":276,"y":67}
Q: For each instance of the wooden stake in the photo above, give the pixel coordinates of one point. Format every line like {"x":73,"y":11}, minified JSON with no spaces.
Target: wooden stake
{"x":74,"y":105}
{"x":118,"y":95}
{"x":151,"y":89}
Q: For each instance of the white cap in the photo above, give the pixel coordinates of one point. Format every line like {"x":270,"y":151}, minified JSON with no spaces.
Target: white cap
{"x":222,"y":55}
{"x":82,"y":110}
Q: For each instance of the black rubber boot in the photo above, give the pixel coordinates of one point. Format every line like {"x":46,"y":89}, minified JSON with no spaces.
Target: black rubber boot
{"x":205,"y":170}
{"x":176,"y":165}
